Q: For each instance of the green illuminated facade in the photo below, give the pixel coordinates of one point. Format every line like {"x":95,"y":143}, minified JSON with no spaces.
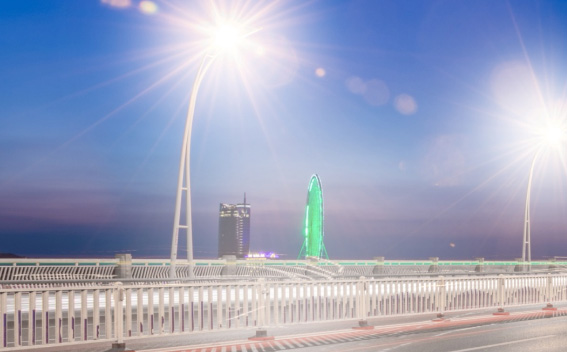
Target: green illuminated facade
{"x":313,"y":246}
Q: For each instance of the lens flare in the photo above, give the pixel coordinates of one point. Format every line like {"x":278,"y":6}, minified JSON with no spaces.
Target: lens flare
{"x":148,"y":7}
{"x":405,"y":104}
{"x":121,"y":4}
{"x":356,"y":85}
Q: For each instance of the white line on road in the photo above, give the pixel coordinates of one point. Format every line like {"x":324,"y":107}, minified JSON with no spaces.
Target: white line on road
{"x":503,"y":343}
{"x":457,"y":330}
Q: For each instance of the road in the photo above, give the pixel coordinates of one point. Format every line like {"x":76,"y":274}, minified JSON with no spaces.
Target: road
{"x":525,"y":329}
{"x":517,"y":335}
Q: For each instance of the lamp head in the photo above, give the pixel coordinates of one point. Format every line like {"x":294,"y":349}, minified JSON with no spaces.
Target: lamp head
{"x":553,"y":135}
{"x":227,"y":37}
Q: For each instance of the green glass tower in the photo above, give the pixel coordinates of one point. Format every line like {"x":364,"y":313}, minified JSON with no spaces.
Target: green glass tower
{"x":313,"y":232}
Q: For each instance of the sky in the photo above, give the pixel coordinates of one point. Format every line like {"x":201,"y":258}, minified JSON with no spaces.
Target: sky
{"x":421,"y":118}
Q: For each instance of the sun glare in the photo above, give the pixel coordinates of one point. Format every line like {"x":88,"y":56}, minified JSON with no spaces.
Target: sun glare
{"x":553,"y":135}
{"x":227,"y":37}
{"x":552,"y":131}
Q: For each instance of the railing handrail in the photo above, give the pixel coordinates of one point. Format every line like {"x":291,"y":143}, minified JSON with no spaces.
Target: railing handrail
{"x":196,"y":282}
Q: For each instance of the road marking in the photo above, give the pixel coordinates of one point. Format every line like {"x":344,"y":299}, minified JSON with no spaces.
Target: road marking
{"x":457,"y":330}
{"x":503,"y":344}
{"x":287,"y":344}
{"x":280,"y":346}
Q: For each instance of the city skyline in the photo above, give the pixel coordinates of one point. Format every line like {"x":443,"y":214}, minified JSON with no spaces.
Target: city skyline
{"x":422,"y":119}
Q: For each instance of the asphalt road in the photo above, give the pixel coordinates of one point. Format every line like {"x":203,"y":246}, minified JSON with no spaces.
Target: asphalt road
{"x":522,"y":335}
{"x":525,"y":329}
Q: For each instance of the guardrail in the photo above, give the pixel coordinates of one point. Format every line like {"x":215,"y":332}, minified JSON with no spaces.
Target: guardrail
{"x":126,"y":267}
{"x":54,"y":316}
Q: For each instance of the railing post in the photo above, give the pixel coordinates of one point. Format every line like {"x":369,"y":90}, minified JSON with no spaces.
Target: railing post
{"x":501,"y":298}
{"x":45,"y":317}
{"x":434,"y":267}
{"x":118,"y":293}
{"x":70,"y":316}
{"x":3,"y":319}
{"x":441,"y":291}
{"x":58,"y":316}
{"x":31,"y":318}
{"x":549,"y":287}
{"x":549,"y":293}
{"x":362,"y":303}
{"x":96,"y":314}
{"x":84,"y":316}
{"x":17,"y":319}
{"x":261,"y":332}
{"x":500,"y":295}
{"x":261,"y":303}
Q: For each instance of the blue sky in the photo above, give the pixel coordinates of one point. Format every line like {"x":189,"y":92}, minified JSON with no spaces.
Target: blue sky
{"x":421,"y":118}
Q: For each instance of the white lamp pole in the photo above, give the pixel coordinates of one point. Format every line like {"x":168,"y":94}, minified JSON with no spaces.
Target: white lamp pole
{"x":184,"y":177}
{"x":526,"y":245}
{"x":226,"y":38}
{"x":553,"y":135}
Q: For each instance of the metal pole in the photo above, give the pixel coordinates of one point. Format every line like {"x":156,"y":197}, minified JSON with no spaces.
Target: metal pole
{"x":184,"y":177}
{"x":526,"y":245}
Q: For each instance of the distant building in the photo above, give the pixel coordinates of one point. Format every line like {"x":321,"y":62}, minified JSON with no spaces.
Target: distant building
{"x":313,"y":246}
{"x":234,"y":229}
{"x":261,"y":255}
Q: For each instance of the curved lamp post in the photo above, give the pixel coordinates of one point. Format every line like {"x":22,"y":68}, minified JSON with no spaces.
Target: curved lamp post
{"x":553,"y":135}
{"x":526,"y":245}
{"x":226,"y":38}
{"x":184,"y":176}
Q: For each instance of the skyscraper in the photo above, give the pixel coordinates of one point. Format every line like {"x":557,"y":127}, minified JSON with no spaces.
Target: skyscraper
{"x":234,"y":229}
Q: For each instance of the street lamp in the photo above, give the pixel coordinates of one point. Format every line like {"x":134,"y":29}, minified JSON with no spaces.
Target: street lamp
{"x":225,"y":39}
{"x":552,"y":136}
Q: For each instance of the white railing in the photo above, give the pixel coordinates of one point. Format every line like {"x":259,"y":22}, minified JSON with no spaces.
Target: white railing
{"x":46,"y":269}
{"x":51,"y":316}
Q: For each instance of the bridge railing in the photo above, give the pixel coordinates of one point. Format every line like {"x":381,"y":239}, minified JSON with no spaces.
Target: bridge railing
{"x":53,"y":316}
{"x":46,"y":269}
